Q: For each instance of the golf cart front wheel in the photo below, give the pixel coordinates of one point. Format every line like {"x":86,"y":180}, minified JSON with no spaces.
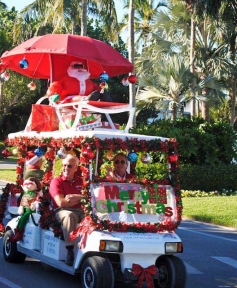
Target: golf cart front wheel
{"x":97,"y":272}
{"x":172,"y":273}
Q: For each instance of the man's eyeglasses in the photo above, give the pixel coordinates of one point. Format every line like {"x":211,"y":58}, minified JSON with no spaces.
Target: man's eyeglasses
{"x":68,"y":166}
{"x":122,"y":162}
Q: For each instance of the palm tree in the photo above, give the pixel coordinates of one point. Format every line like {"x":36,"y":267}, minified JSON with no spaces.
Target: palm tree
{"x":223,"y":10}
{"x":144,"y":15}
{"x":84,"y":18}
{"x":165,"y":84}
{"x":3,"y":5}
{"x":68,"y":16}
{"x":171,"y":39}
{"x":108,"y":17}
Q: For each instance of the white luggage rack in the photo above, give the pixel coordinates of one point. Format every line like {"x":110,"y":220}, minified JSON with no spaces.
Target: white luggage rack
{"x":87,"y":106}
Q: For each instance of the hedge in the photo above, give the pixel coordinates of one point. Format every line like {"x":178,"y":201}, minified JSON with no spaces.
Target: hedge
{"x":208,"y":178}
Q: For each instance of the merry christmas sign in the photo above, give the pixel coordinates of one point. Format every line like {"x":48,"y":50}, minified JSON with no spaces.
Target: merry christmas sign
{"x":131,"y":203}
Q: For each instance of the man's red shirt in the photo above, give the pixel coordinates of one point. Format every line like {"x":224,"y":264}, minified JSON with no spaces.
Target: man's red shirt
{"x":61,"y":186}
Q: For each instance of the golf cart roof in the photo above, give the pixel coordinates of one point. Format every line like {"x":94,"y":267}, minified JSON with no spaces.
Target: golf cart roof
{"x":106,"y":133}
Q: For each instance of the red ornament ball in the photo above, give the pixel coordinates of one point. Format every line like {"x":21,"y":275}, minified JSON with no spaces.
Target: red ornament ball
{"x":173,"y":158}
{"x":6,"y":153}
{"x":132,"y":79}
{"x":88,"y":153}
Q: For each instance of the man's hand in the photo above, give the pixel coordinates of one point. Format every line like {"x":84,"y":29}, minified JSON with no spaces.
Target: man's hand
{"x":73,"y":198}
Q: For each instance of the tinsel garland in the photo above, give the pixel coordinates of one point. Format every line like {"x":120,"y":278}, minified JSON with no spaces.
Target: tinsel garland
{"x":48,"y":220}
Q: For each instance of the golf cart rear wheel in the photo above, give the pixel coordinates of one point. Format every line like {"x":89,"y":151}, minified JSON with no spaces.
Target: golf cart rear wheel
{"x":97,"y":272}
{"x":172,"y":273}
{"x":10,"y":252}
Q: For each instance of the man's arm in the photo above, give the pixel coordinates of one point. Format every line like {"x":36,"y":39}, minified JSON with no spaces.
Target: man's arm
{"x":67,"y":201}
{"x":57,"y":193}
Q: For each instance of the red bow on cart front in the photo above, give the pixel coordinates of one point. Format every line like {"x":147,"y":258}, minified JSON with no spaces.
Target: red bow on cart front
{"x":85,"y":227}
{"x":144,"y":273}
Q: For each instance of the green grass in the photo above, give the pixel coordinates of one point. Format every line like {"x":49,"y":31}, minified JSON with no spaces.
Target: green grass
{"x":8,"y":175}
{"x":10,"y":160}
{"x":220,"y":210}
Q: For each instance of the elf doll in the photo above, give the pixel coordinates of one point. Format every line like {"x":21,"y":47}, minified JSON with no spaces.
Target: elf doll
{"x":31,"y":188}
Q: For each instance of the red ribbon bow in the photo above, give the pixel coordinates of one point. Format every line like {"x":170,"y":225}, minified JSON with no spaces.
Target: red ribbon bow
{"x":2,"y":228}
{"x":85,"y":227}
{"x":144,"y":273}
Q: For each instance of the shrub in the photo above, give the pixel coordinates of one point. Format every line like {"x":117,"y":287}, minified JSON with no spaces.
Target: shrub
{"x":208,"y":178}
{"x":2,"y":147}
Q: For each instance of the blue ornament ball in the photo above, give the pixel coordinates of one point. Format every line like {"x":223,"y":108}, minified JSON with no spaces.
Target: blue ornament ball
{"x":132,"y":157}
{"x":24,"y":64}
{"x":39,"y":152}
{"x":104,"y":77}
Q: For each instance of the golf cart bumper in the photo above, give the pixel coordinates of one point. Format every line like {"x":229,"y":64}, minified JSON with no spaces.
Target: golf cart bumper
{"x":133,"y":248}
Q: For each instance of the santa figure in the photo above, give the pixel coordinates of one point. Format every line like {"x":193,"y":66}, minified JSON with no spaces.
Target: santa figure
{"x":77,"y":84}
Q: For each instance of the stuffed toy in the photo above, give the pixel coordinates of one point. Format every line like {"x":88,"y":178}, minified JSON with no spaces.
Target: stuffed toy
{"x":75,"y":85}
{"x":29,"y":200}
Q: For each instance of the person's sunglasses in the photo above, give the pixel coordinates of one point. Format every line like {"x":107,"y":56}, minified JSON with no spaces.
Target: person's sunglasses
{"x":122,"y":162}
{"x":68,"y":166}
{"x":77,"y":66}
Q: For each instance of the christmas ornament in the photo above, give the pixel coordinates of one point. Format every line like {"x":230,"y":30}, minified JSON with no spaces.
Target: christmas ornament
{"x":6,"y":153}
{"x":15,"y":152}
{"x":88,"y":153}
{"x":132,"y":79}
{"x":72,"y":152}
{"x":110,"y":155}
{"x":132,"y":157}
{"x":104,"y":86}
{"x":5,"y":76}
{"x":173,"y":158}
{"x":146,"y":158}
{"x":24,"y":63}
{"x":40,"y":151}
{"x":62,"y":153}
{"x":125,"y":81}
{"x":31,"y":86}
{"x":104,"y":77}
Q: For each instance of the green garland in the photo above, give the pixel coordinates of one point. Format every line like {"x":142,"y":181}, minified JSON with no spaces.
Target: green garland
{"x":48,"y":220}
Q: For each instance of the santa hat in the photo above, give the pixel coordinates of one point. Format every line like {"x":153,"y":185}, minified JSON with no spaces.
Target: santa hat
{"x":33,"y":157}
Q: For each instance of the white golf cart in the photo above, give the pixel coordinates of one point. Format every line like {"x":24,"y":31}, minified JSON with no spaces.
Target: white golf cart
{"x":129,"y":228}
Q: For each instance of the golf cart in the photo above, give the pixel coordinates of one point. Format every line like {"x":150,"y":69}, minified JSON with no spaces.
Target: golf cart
{"x":129,"y":227}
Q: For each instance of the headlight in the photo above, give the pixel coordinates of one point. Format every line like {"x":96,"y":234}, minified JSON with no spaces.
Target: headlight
{"x":111,"y":246}
{"x":173,"y":247}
